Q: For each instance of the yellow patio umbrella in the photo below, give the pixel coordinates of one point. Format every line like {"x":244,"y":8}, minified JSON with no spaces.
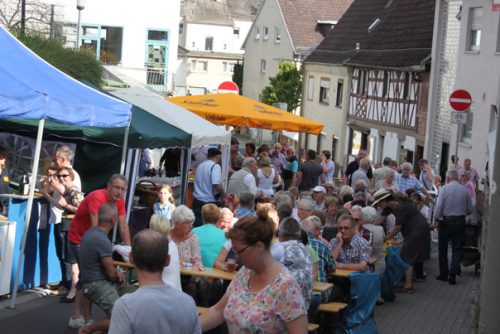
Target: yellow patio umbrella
{"x":237,"y":110}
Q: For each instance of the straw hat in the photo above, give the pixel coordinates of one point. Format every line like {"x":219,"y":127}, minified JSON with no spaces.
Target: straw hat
{"x":381,"y":194}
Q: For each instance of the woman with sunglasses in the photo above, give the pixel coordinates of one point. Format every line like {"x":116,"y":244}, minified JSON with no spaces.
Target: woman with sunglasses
{"x":263,"y":297}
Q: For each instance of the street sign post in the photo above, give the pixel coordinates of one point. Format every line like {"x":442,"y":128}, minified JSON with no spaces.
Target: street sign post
{"x":228,"y":87}
{"x":458,"y":117}
{"x":460,"y":100}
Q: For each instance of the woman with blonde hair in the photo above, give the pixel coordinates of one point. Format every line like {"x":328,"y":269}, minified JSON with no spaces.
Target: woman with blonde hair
{"x":171,"y":274}
{"x":266,"y":176}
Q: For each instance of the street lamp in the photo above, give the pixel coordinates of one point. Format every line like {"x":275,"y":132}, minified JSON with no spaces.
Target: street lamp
{"x":80,"y":5}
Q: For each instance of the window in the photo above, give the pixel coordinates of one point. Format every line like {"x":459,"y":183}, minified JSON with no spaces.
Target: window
{"x":157,"y":56}
{"x":266,"y":33}
{"x":199,"y":65}
{"x":257,"y":32}
{"x":407,"y":85}
{"x":362,"y":83}
{"x":340,"y":93}
{"x":263,"y":66}
{"x":227,"y":67}
{"x":310,"y":87}
{"x":236,"y":31}
{"x":209,"y":43}
{"x":104,"y":41}
{"x":474,"y":37}
{"x":157,"y":35}
{"x":277,"y":35}
{"x":466,"y":134}
{"x":385,"y":85}
{"x":324,"y":90}
{"x":181,"y":28}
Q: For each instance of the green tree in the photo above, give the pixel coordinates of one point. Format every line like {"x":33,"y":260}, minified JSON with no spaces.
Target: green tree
{"x":81,"y":65}
{"x":286,"y":86}
{"x":238,"y":76}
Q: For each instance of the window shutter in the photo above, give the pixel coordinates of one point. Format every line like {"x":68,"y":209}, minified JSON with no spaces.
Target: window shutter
{"x":476,"y":16}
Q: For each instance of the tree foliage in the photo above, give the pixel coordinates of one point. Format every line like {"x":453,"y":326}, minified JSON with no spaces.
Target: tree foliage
{"x":81,"y":65}
{"x":238,"y":76}
{"x":286,"y":86}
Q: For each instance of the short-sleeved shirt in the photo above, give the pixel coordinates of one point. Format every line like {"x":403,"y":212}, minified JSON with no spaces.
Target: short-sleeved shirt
{"x":266,"y":311}
{"x":311,"y":172}
{"x":353,"y":166}
{"x":208,"y":173}
{"x":354,"y":252}
{"x":331,"y":170}
{"x":90,"y":205}
{"x":298,"y":260}
{"x":164,"y":211}
{"x":326,"y":263}
{"x":405,"y":183}
{"x":94,"y":246}
{"x":211,"y":240}
{"x":155,"y":309}
{"x":189,"y":250}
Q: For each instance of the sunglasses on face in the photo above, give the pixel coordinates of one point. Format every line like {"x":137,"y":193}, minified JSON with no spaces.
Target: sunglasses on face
{"x":62,"y":176}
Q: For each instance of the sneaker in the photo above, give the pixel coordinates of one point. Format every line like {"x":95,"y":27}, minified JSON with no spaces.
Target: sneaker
{"x":76,"y":322}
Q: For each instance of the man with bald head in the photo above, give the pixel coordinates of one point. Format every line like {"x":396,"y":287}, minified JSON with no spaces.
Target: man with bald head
{"x":155,"y":307}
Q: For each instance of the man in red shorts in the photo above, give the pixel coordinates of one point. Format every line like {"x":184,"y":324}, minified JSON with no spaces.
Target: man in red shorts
{"x":85,"y":218}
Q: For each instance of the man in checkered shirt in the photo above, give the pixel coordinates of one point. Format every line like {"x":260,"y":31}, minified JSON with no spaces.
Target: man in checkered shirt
{"x":406,"y":181}
{"x":350,"y":250}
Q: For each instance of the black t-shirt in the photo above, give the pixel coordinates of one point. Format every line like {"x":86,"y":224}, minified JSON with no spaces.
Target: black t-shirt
{"x":353,"y":166}
{"x":310,"y":175}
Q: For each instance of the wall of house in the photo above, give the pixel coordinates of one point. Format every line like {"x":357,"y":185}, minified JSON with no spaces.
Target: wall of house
{"x":135,"y":20}
{"x":333,"y":116}
{"x":442,"y":80}
{"x":474,"y":69}
{"x":209,"y":80}
{"x":196,"y":35}
{"x":259,"y":49}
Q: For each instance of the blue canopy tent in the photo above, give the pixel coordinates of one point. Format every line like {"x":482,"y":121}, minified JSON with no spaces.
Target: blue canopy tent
{"x":32,"y":88}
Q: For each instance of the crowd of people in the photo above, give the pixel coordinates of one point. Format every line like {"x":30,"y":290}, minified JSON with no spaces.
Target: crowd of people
{"x":283,"y":222}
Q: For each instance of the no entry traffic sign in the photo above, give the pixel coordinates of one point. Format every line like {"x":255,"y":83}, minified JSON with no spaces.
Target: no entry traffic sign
{"x":460,"y":100}
{"x":228,"y":87}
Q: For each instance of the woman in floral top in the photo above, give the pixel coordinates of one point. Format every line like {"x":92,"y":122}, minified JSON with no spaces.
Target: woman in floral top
{"x":183,"y":236}
{"x":263,"y":297}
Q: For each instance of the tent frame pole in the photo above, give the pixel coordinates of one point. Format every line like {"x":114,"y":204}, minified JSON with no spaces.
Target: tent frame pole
{"x":38,"y":148}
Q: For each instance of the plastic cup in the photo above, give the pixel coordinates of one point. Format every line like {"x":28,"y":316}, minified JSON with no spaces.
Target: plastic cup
{"x":231,"y":265}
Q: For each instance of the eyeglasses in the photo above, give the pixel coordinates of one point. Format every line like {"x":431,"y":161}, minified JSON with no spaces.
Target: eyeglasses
{"x":241,"y":251}
{"x":62,"y":176}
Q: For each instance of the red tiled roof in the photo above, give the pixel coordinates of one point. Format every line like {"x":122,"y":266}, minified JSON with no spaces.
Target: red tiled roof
{"x":301,"y":17}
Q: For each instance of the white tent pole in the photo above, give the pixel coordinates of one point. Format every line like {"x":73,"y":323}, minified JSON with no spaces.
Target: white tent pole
{"x":36,"y":159}
{"x":124,"y":151}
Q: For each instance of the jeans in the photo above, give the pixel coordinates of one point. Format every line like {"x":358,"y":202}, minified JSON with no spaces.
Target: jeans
{"x":454,"y":231}
{"x":60,"y":241}
{"x":197,"y":205}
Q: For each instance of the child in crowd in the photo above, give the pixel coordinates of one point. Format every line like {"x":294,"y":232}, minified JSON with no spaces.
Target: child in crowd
{"x":166,"y":205}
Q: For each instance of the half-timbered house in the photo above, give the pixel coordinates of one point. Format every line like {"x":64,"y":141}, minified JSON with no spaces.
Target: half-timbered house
{"x":390,"y":82}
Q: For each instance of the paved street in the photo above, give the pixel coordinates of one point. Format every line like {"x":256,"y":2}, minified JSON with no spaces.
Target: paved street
{"x":434,"y":308}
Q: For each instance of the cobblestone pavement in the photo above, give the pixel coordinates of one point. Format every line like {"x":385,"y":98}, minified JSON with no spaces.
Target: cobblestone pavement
{"x":435,"y":307}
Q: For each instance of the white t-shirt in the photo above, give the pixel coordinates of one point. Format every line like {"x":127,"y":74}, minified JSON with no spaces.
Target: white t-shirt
{"x":171,"y":274}
{"x":266,"y":183}
{"x":205,"y":178}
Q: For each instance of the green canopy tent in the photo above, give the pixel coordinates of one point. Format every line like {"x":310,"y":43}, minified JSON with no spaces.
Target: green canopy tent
{"x":99,"y":150}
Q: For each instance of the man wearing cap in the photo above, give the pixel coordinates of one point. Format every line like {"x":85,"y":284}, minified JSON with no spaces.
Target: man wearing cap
{"x":453,"y":204}
{"x":318,"y":195}
{"x":208,"y":186}
{"x":426,"y":177}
